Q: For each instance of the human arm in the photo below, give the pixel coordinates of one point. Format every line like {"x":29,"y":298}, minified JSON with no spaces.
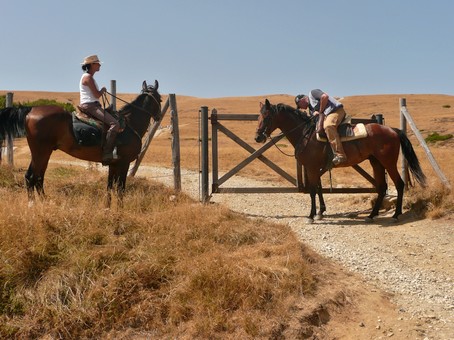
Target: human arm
{"x":319,"y":100}
{"x":89,"y":81}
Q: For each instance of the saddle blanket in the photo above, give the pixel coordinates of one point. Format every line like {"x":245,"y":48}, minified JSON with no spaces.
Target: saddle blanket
{"x":347,"y":133}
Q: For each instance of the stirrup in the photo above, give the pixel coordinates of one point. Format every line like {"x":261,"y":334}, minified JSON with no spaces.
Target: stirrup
{"x":338,"y":159}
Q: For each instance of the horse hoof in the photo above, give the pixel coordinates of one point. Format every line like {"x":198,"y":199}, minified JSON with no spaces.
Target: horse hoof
{"x":309,"y":220}
{"x":369,"y":220}
{"x":318,"y":217}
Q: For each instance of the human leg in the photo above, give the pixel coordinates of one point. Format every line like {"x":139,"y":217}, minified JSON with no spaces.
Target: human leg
{"x":330,"y":124}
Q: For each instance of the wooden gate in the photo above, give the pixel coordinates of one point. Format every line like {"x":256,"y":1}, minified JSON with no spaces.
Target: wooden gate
{"x":297,"y":182}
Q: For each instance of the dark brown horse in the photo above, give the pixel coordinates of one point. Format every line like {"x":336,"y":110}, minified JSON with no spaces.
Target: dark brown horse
{"x":381,"y":147}
{"x":49,"y":128}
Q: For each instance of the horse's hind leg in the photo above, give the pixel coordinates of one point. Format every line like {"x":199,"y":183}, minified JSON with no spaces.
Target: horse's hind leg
{"x":380,"y":184}
{"x":34,"y":177}
{"x":399,"y":184}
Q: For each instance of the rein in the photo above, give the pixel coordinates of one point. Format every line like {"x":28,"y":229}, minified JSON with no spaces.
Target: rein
{"x":306,"y":135}
{"x":135,"y":106}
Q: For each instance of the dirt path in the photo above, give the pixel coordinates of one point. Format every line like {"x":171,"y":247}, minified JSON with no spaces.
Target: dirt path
{"x":412,"y":260}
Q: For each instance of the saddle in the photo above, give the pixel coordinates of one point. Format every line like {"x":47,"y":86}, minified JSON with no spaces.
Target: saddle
{"x":89,"y":130}
{"x":347,"y":131}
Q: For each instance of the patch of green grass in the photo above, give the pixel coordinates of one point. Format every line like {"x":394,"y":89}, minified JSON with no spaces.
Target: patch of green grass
{"x":436,"y":137}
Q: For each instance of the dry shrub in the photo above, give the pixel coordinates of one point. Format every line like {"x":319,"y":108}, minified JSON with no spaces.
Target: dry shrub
{"x":162,"y":267}
{"x":434,"y":201}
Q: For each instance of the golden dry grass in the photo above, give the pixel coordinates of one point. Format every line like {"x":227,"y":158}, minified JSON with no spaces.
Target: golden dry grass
{"x":161,"y":266}
{"x":71,"y":269}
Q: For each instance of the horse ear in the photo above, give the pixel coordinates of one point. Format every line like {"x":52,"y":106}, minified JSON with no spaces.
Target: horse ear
{"x":261,"y":104}
{"x":144,"y":86}
{"x":156,"y":84}
{"x":267,"y":103}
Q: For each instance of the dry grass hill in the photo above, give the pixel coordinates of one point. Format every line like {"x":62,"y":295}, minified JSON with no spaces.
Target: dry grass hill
{"x":149,"y":271}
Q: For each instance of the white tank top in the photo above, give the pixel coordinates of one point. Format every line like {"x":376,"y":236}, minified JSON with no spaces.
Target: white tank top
{"x":86,"y":96}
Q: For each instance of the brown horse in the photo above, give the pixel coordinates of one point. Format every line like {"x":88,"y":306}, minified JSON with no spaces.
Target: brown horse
{"x":49,"y":128}
{"x":381,"y":147}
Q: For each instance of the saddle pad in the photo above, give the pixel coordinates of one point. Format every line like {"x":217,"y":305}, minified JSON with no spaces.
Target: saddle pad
{"x":82,"y":116}
{"x":84,"y":133}
{"x":359,"y":131}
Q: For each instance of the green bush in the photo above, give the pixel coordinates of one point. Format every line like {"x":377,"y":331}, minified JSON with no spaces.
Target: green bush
{"x":67,"y":106}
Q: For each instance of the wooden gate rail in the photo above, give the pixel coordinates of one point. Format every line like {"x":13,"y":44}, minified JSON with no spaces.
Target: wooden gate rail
{"x":255,"y":154}
{"x":298,"y":182}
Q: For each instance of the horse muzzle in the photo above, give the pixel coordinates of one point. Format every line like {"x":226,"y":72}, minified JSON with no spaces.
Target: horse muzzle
{"x":260,"y":137}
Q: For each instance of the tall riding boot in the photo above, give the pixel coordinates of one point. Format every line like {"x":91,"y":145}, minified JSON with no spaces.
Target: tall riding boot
{"x":107,"y":154}
{"x":336,"y":145}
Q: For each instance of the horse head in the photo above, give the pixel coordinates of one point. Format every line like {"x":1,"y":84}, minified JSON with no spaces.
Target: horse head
{"x":152,"y":92}
{"x":266,"y":121}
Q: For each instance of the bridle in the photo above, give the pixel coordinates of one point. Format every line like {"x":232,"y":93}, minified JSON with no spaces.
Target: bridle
{"x":149,"y":91}
{"x":305,"y":136}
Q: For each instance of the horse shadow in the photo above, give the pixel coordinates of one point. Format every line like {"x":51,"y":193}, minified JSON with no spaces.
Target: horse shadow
{"x":350,"y":219}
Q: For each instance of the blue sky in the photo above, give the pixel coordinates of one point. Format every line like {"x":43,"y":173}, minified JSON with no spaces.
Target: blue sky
{"x":214,"y":48}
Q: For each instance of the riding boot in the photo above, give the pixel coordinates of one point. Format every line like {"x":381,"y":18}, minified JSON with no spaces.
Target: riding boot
{"x":108,"y":154}
{"x":336,"y":145}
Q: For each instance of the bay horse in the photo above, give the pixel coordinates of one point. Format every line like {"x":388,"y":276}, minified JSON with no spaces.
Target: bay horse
{"x":381,"y":147}
{"x":50,"y":127}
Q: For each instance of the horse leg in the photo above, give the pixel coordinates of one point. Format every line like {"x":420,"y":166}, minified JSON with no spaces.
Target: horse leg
{"x":117,"y":178}
{"x":321,"y":202}
{"x":34,"y":177}
{"x":380,"y":185}
{"x":121,"y":174}
{"x":30,"y":182}
{"x":399,"y":184}
{"x":110,"y":183}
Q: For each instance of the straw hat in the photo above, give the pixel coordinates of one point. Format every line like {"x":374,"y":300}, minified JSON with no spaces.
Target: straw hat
{"x":91,"y":60}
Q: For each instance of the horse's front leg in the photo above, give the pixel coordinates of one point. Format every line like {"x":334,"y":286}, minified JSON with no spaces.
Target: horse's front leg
{"x":312,"y":192}
{"x":321,"y":202}
{"x":110,"y":180}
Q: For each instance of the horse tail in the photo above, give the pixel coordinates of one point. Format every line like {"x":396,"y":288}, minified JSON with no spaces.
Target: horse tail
{"x":12,"y":121}
{"x":412,"y":159}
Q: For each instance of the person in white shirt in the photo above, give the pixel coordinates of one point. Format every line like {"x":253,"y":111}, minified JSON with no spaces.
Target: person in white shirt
{"x":89,"y":102}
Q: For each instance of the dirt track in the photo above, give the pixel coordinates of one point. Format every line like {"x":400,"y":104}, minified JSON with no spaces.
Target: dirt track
{"x":413,"y":260}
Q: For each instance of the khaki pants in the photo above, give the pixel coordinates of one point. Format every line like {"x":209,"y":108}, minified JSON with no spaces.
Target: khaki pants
{"x":330,"y":124}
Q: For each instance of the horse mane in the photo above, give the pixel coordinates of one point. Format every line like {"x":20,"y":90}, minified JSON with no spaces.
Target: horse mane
{"x":298,"y":114}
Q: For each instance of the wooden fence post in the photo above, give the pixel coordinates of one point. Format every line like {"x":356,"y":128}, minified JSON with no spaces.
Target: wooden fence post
{"x":433,"y":162}
{"x":403,"y":127}
{"x":113,"y":91}
{"x":9,"y":137}
{"x":175,"y":142}
{"x":204,"y":155}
